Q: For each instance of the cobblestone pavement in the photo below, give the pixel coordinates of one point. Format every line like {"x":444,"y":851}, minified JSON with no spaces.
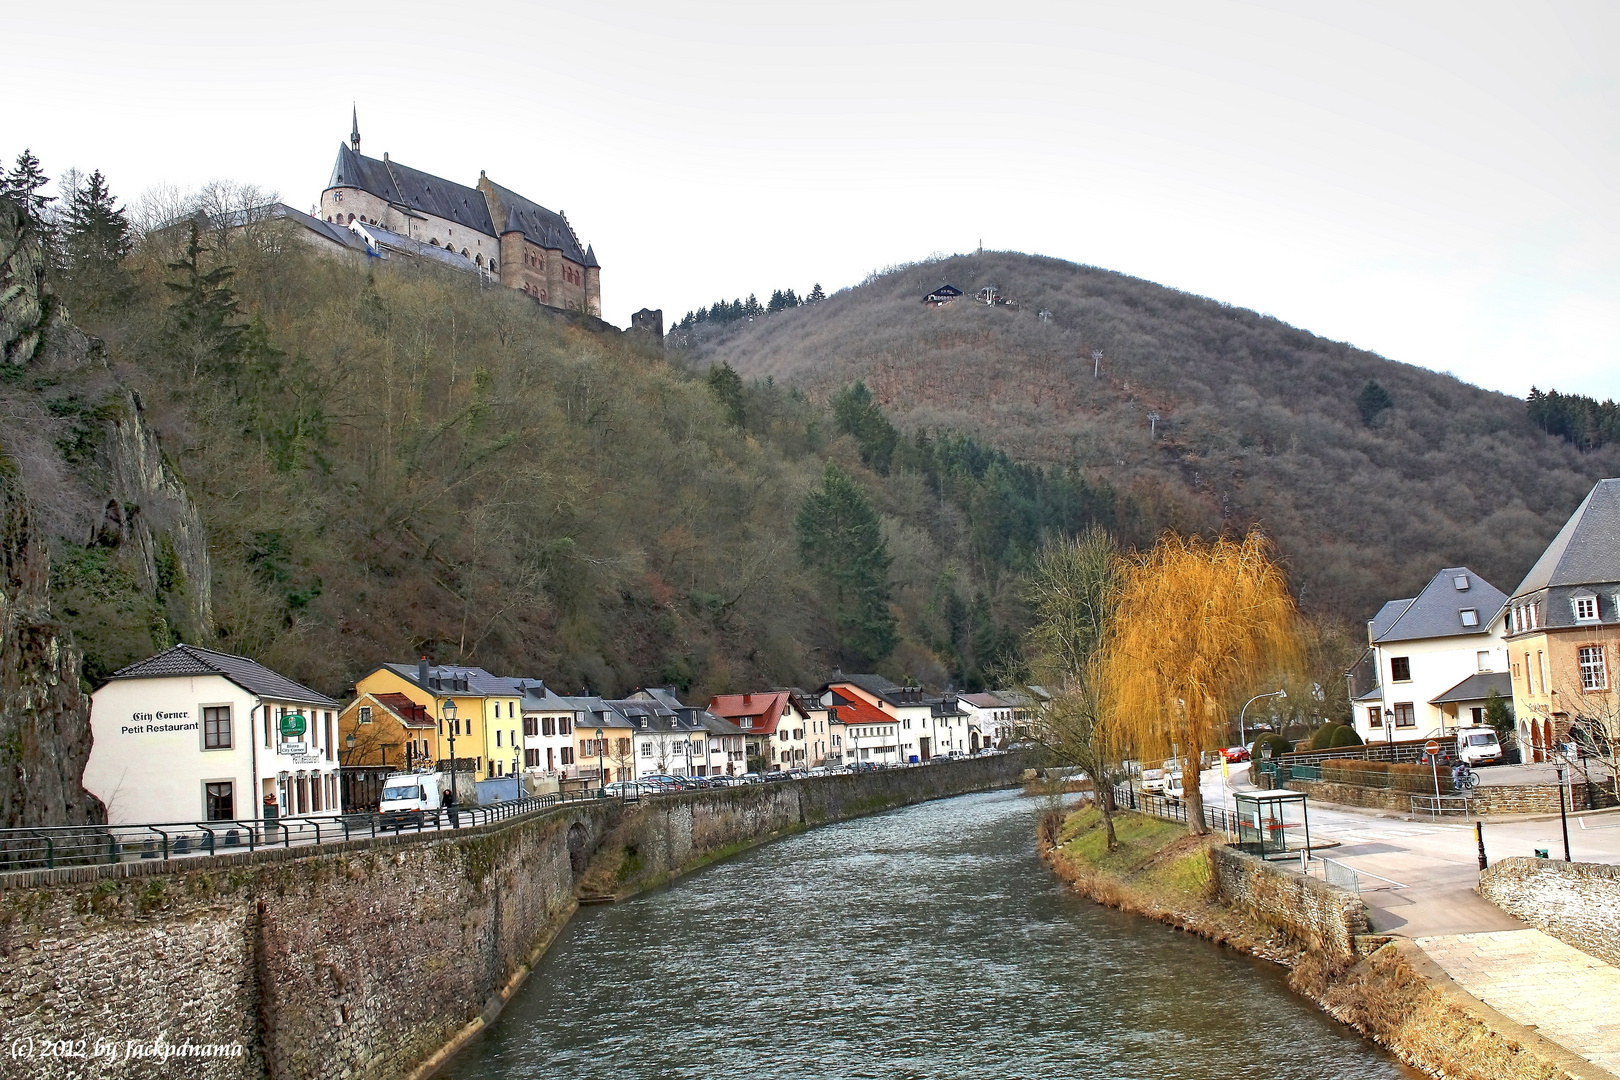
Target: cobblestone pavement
{"x":1566,"y":995}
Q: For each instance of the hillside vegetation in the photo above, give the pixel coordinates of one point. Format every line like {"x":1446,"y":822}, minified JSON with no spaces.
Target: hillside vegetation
{"x":1369,"y":474}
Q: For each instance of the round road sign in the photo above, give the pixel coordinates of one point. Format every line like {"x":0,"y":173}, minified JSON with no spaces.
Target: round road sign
{"x":1431,"y":747}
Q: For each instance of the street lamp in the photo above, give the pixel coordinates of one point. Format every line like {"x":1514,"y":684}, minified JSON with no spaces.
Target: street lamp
{"x":1389,"y":725}
{"x":448,"y":713}
{"x":601,"y":766}
{"x":1243,"y":732}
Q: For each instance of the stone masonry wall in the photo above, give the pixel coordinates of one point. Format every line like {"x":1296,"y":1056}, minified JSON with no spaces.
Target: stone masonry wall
{"x":1578,"y":903}
{"x":1321,"y":916}
{"x":1483,"y":801}
{"x":365,"y":959}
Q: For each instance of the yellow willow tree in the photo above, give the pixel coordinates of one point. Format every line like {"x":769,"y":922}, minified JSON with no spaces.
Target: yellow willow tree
{"x":1196,"y":625}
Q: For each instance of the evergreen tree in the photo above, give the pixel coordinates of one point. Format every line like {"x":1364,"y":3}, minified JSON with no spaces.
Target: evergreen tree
{"x":776,"y":303}
{"x":841,"y":538}
{"x":1499,"y":714}
{"x":789,"y":299}
{"x":856,"y":414}
{"x":816,"y":295}
{"x":1372,"y":401}
{"x":727,"y":386}
{"x":751,"y":308}
{"x":22,"y":186}
{"x":95,"y":241}
{"x":202,"y":326}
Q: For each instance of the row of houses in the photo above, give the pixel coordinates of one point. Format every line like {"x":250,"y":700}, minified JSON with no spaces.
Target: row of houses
{"x":193,"y":734}
{"x":1434,"y":660}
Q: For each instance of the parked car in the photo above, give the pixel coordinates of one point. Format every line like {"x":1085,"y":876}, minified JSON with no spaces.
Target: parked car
{"x":1235,"y":754}
{"x":752,"y":778}
{"x":722,"y":780}
{"x":628,"y":789}
{"x":772,"y":777}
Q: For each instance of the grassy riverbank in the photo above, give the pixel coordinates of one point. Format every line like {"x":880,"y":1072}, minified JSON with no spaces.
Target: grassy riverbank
{"x":1393,"y":994}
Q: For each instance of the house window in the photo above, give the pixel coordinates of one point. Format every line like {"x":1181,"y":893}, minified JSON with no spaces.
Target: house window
{"x":624,"y":748}
{"x":497,"y":732}
{"x":1594,"y":672}
{"x":1400,"y":668}
{"x":219,"y":800}
{"x":564,"y":725}
{"x":566,"y":755}
{"x":1375,"y":718}
{"x":530,"y":727}
{"x":531,"y":759}
{"x":1484,"y":659}
{"x":1586,"y":609}
{"x":1470,"y":616}
{"x":1405,"y":715}
{"x":646,"y":749}
{"x":217,"y":728}
{"x":365,"y":714}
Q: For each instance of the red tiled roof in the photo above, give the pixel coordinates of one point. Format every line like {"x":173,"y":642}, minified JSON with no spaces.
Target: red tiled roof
{"x":764,"y":709}
{"x":404,"y":708}
{"x":853,"y":710}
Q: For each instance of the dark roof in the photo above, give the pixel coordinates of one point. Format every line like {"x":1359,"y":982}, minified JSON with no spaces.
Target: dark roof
{"x":590,"y":259}
{"x":537,"y":224}
{"x":1478,"y":688}
{"x":1438,"y":610}
{"x":1386,"y":617}
{"x":338,"y":234}
{"x":1586,"y":550}
{"x":412,"y":189}
{"x":480,"y":683}
{"x":250,"y":675}
{"x":945,"y":290}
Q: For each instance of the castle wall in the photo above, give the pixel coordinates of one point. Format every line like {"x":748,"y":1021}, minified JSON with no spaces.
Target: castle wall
{"x":338,"y":203}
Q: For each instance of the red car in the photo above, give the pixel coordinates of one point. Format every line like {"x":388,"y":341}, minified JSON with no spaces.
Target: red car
{"x":1235,"y":753}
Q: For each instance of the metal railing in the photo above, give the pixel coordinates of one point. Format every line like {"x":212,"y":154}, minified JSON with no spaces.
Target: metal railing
{"x":84,"y":845}
{"x":1436,"y":805}
{"x":1216,"y":817}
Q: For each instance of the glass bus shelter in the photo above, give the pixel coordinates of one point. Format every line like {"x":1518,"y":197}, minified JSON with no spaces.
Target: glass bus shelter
{"x":1273,"y":824}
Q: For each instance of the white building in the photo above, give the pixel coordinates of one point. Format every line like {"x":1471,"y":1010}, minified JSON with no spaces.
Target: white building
{"x":197,"y":735}
{"x":548,"y":731}
{"x":1435,"y":658}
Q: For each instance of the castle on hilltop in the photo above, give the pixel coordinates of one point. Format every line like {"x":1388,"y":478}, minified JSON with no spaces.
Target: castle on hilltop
{"x":486,"y":229}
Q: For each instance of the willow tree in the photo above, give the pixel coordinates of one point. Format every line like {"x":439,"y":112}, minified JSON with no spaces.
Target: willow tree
{"x":1197,"y":625}
{"x":1072,"y":592}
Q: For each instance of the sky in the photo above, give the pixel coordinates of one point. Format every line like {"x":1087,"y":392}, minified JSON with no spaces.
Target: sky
{"x":1432,"y":181}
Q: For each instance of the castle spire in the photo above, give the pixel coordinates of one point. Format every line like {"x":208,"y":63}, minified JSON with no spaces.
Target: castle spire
{"x":354,"y":132}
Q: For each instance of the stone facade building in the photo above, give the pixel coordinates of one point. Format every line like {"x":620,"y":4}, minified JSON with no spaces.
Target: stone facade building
{"x":496,"y":231}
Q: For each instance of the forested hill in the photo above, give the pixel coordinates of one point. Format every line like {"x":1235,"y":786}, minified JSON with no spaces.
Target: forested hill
{"x":1213,"y":415}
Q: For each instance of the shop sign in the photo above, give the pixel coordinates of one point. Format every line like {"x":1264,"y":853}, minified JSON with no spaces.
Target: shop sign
{"x":293,"y":725}
{"x":294,"y":748}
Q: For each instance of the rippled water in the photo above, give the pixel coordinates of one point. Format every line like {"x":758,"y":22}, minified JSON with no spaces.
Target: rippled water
{"x":926,"y":942}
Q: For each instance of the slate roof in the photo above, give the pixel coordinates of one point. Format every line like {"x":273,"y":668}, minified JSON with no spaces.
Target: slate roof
{"x":590,"y":711}
{"x":389,"y":240}
{"x":412,"y":189}
{"x":984,"y":701}
{"x":1437,"y":610}
{"x":480,"y":683}
{"x":538,"y":697}
{"x":250,"y":675}
{"x":1478,"y":688}
{"x":1586,"y":550}
{"x":337,"y":234}
{"x":538,"y":225}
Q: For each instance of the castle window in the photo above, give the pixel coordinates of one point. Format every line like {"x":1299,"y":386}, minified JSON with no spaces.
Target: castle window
{"x":434,"y":241}
{"x":478,"y":259}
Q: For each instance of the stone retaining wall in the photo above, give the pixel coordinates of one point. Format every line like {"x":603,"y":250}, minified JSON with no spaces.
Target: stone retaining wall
{"x":1577,"y":903}
{"x":1324,"y":918}
{"x":1483,"y":801}
{"x":365,"y":959}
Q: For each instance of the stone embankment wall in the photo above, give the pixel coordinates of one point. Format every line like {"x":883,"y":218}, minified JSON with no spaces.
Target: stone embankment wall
{"x":1313,"y":912}
{"x":366,"y":959}
{"x":1483,"y":801}
{"x":1578,"y":903}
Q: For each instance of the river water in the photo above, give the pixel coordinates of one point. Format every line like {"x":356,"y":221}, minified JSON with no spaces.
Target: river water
{"x":925,"y":942}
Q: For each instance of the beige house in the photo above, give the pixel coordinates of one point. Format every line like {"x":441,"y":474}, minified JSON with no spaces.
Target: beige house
{"x":1563,"y":632}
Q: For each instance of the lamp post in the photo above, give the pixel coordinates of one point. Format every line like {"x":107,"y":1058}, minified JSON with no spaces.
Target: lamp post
{"x":1243,"y":732}
{"x":601,"y":766}
{"x":447,"y":712}
{"x":1389,"y":726}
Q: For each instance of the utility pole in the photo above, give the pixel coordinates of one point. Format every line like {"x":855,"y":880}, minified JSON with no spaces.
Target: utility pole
{"x":1563,"y":818}
{"x":1096,"y":363}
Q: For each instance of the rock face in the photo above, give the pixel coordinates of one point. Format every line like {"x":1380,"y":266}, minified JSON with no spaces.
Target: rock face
{"x":44,"y":714}
{"x":24,"y":303}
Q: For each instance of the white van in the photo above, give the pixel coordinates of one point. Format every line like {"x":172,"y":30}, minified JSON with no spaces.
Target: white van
{"x":1479,"y":746}
{"x":406,"y":795}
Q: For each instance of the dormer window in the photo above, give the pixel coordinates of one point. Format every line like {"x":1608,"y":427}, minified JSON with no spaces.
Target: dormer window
{"x":1461,"y":582}
{"x":1470,"y":616}
{"x":1586,"y":608}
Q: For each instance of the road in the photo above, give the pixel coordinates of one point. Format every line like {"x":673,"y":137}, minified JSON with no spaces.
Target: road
{"x":1436,"y":861}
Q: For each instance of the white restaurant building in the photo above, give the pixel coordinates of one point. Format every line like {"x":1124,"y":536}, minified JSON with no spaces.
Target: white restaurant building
{"x":197,"y":735}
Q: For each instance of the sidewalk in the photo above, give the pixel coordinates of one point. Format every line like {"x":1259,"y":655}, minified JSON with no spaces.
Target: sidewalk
{"x":1537,"y":980}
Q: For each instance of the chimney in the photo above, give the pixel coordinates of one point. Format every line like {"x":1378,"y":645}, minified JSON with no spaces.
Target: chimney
{"x":747,"y":698}
{"x":421,"y":672}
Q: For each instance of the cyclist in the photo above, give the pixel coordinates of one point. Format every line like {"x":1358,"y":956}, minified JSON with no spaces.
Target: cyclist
{"x":1461,"y":775}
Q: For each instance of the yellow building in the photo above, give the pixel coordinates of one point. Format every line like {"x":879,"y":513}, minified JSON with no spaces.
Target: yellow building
{"x":475,"y":713}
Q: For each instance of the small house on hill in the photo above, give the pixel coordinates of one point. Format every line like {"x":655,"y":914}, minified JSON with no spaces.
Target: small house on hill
{"x":945,"y":294}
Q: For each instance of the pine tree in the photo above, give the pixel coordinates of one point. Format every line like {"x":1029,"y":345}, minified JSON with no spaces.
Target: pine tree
{"x":789,"y":299}
{"x":22,"y":185}
{"x":751,"y":308}
{"x":841,"y":538}
{"x":857,"y":415}
{"x":202,"y":325}
{"x":776,"y":303}
{"x":95,"y":241}
{"x":816,"y":295}
{"x":1372,"y":401}
{"x":727,"y":386}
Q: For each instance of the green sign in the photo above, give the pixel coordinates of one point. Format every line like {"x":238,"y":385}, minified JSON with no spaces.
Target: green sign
{"x":293,"y":725}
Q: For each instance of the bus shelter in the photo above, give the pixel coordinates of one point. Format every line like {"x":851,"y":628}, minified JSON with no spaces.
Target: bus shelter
{"x":1273,"y":824}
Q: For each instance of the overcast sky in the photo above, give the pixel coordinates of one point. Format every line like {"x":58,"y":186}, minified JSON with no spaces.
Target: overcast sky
{"x":1436,"y":182}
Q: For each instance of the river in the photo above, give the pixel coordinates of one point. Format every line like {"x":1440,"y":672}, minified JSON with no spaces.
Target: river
{"x":925,"y":942}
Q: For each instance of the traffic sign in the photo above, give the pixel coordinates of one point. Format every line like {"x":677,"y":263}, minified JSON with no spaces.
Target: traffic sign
{"x":1431,"y":747}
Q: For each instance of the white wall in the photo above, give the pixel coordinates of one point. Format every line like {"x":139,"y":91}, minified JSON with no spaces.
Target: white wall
{"x":1437,"y":664}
